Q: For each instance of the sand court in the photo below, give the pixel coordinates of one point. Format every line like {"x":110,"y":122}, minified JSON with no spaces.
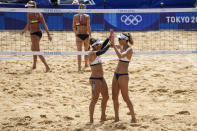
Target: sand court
{"x":162,"y":87}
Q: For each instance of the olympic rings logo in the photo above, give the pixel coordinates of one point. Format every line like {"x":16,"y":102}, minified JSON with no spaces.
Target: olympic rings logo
{"x":131,"y":19}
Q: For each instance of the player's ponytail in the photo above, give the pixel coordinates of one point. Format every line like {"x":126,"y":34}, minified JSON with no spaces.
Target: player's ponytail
{"x":130,"y":39}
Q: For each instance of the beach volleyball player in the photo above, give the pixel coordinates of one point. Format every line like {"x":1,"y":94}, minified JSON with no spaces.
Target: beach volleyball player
{"x":97,"y":80}
{"x":121,"y":77}
{"x":33,"y":24}
{"x":82,"y":30}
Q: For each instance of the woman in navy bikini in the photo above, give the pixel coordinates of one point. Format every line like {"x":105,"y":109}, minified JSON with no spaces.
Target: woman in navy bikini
{"x":121,"y":77}
{"x":33,"y":24}
{"x":83,"y":33}
{"x":97,"y":81}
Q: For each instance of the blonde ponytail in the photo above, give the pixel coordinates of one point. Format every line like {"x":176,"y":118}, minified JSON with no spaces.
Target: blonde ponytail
{"x":130,"y":40}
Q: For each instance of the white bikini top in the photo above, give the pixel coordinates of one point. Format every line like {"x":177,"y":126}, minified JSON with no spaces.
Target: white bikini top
{"x":125,"y":59}
{"x":96,"y":61}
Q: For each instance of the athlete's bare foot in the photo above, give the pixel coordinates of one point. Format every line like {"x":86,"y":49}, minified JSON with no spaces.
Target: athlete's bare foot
{"x":103,"y":118}
{"x":48,"y":69}
{"x":91,"y":121}
{"x":88,"y":124}
{"x":34,"y":67}
{"x":116,"y":119}
{"x":134,"y":120}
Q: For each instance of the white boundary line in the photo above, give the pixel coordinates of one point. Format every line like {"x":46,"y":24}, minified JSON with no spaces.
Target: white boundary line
{"x":51,"y":10}
{"x":103,"y":58}
{"x":87,"y":52}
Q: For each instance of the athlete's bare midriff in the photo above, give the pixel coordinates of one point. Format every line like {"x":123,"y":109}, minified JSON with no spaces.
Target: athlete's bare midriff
{"x":35,"y":26}
{"x":97,"y":71}
{"x":82,"y":29}
{"x":122,"y":67}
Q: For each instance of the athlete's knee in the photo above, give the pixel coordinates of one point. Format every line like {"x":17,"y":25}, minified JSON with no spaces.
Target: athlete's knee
{"x":41,"y":57}
{"x":86,"y":48}
{"x":114,"y":97}
{"x":79,"y":49}
{"x":126,"y":99}
{"x":95,"y":99}
{"x":105,"y":98}
{"x":33,"y":48}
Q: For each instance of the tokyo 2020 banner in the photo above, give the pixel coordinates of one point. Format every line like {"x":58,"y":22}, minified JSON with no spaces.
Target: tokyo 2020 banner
{"x":103,"y":22}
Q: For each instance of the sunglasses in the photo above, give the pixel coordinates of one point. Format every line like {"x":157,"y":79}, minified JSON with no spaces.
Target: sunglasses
{"x":99,"y":45}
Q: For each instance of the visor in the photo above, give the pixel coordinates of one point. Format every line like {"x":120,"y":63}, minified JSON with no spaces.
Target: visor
{"x":97,"y":42}
{"x":122,"y":36}
{"x":29,"y":5}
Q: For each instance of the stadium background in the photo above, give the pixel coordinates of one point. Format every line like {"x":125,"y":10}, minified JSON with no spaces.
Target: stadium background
{"x":103,"y":22}
{"x":110,"y":4}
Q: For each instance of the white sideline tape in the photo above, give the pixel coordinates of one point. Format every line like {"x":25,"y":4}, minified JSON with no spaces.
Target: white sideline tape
{"x":112,"y":58}
{"x":86,"y":53}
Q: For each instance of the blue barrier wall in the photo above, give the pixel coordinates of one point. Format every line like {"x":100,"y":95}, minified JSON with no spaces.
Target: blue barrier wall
{"x":102,"y":22}
{"x":173,"y":3}
{"x":131,"y":4}
{"x":128,"y":4}
{"x":99,"y":4}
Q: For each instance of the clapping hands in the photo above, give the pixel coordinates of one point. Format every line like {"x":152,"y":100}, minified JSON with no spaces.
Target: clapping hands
{"x":111,"y":38}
